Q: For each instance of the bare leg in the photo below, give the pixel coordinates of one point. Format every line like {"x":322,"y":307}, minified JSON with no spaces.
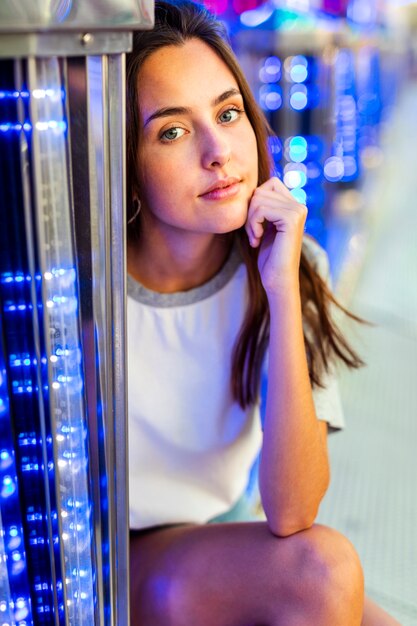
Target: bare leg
{"x":242,"y":575}
{"x":373,"y":615}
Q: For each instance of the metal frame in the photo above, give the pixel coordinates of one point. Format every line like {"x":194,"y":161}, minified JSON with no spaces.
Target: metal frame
{"x":75,"y":15}
{"x":83,"y":43}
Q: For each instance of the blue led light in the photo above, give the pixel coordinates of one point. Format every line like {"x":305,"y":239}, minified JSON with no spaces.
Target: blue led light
{"x":65,"y":396}
{"x":314,"y":171}
{"x":351,"y":167}
{"x":343,"y":163}
{"x":14,"y":533}
{"x":300,"y":195}
{"x":298,"y":97}
{"x":297,"y":149}
{"x":315,"y":199}
{"x":18,"y":332}
{"x":10,"y":127}
{"x":298,"y":70}
{"x":14,"y":585}
{"x":334,"y":169}
{"x":8,"y":487}
{"x":56,"y":125}
{"x":275,"y":147}
{"x":13,"y":95}
{"x":298,"y":73}
{"x":54,"y":374}
{"x":270,"y":97}
{"x":6,"y":459}
{"x":363,"y":13}
{"x":270,"y":71}
{"x":295,"y":175}
{"x":8,"y":277}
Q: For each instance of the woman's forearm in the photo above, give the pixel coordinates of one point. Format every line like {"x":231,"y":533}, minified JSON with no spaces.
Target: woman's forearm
{"x":294,"y":469}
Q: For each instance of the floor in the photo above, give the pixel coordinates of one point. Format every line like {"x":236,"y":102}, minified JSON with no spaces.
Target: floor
{"x":373,"y":495}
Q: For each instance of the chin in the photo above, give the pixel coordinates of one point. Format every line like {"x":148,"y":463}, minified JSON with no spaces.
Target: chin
{"x":233,"y":221}
{"x":229,"y":228}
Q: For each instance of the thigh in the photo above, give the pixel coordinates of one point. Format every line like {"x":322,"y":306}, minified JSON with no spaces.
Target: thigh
{"x":236,"y":574}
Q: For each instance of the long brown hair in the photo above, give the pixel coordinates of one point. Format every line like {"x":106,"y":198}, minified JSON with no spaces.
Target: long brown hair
{"x":175,"y":23}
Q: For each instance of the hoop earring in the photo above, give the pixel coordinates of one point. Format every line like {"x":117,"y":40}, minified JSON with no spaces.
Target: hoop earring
{"x":137,"y":207}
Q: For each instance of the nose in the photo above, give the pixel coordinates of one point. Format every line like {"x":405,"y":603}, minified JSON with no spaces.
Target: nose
{"x":215,"y":148}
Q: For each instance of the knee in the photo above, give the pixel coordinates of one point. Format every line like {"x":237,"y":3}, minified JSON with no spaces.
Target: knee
{"x":328,"y":556}
{"x":153,"y":602}
{"x":327,"y":575}
{"x":166,"y":598}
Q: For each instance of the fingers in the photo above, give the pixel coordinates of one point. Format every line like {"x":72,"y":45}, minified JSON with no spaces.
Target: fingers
{"x":275,"y":184}
{"x":282,"y":216}
{"x":272,"y":202}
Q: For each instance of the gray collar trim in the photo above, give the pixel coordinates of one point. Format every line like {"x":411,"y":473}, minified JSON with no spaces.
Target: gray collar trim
{"x":165,"y":300}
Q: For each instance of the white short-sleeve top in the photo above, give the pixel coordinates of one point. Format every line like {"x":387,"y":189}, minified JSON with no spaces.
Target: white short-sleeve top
{"x":191,"y":446}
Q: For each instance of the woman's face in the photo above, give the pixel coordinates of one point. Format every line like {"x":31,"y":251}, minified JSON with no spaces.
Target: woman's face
{"x":197,"y":155}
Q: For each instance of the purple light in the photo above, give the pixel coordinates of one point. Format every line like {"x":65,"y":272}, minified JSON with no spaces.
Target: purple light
{"x":216,"y":6}
{"x":241,"y":6}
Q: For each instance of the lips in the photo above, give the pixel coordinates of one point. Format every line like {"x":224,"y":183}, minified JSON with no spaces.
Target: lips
{"x":222,"y":188}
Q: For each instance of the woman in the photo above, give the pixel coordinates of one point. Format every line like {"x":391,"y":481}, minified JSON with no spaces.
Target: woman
{"x":220,"y":274}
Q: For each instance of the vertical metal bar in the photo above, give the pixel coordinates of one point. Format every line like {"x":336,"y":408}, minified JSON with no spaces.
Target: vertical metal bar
{"x":99,"y":233}
{"x":97,"y":80}
{"x":85,"y":219}
{"x":117,"y":125}
{"x":107,"y":147}
{"x":108,"y":416}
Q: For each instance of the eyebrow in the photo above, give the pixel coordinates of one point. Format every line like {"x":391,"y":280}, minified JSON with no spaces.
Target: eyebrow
{"x":168,"y":111}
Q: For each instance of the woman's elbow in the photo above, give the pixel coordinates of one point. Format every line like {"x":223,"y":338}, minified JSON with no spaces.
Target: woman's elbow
{"x":286,"y":515}
{"x":288,"y":526}
{"x":286,"y":519}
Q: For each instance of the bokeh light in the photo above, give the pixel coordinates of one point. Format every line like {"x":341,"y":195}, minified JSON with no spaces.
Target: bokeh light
{"x":270,"y":97}
{"x":298,"y":97}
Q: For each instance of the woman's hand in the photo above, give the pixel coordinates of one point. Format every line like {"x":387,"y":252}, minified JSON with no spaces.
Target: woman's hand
{"x":276,"y":223}
{"x":294,"y":468}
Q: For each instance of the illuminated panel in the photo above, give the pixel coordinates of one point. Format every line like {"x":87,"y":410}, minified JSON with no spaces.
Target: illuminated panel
{"x":305,"y":91}
{"x":296,"y":150}
{"x":294,"y":85}
{"x":370,"y":103}
{"x":6,"y":603}
{"x":15,"y":604}
{"x":16,"y":283}
{"x":270,"y":92}
{"x":301,"y":73}
{"x":43,"y":360}
{"x":22,"y":369}
{"x":343,"y":163}
{"x":60,"y":316}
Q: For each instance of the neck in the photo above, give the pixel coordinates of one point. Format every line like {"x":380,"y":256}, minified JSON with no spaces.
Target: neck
{"x":169,"y":265}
